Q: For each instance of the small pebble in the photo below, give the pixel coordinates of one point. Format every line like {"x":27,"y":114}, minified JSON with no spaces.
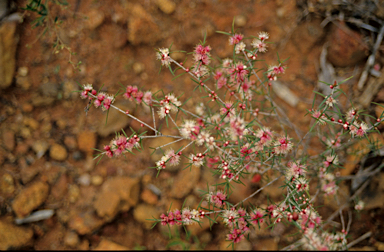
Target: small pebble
{"x":85,"y":179}
{"x":77,"y":155}
{"x":23,"y":71}
{"x":240,"y":20}
{"x":71,"y":239}
{"x":97,"y":180}
{"x":58,"y":152}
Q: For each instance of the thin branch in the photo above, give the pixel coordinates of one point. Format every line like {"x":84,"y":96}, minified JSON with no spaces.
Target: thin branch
{"x":363,"y":237}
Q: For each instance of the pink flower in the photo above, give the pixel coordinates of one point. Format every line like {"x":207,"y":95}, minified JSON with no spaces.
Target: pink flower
{"x":260,"y":45}
{"x":283,"y":145}
{"x":100,"y":98}
{"x":108,"y":151}
{"x":257,"y":217}
{"x":238,"y":72}
{"x":265,"y":135}
{"x":109,"y":99}
{"x":235,"y":39}
{"x":173,"y":159}
{"x":147,"y":98}
{"x":87,"y":88}
{"x":201,"y":54}
{"x":221,"y":82}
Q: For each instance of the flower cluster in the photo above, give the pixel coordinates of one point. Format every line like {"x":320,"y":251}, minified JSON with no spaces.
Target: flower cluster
{"x":216,"y":198}
{"x":184,"y":217}
{"x":170,"y":158}
{"x":87,"y":88}
{"x":163,"y":56}
{"x":167,"y":105}
{"x":121,"y":144}
{"x":233,"y":138}
{"x":133,"y":93}
{"x":104,"y":100}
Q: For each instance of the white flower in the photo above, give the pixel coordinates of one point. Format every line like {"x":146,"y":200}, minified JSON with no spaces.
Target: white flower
{"x":164,"y":110}
{"x":229,"y":216}
{"x":263,"y":36}
{"x":240,"y":47}
{"x":202,"y":137}
{"x":196,"y":160}
{"x":200,"y":109}
{"x":187,"y":128}
{"x":330,"y":101}
{"x":163,"y":55}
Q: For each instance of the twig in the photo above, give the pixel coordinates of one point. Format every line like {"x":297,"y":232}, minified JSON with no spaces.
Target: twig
{"x":371,"y":60}
{"x":363,"y":237}
{"x":253,"y":194}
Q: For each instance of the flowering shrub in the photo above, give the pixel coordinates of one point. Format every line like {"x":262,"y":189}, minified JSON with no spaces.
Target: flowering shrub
{"x":233,"y":136}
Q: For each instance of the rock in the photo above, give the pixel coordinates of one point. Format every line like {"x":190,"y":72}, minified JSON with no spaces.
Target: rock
{"x":23,"y":82}
{"x":73,"y":193}
{"x":143,"y":212}
{"x":141,"y":27}
{"x":149,"y":197}
{"x":29,"y":172}
{"x":95,"y":19}
{"x":31,"y":123}
{"x":51,"y":173}
{"x":84,"y":179}
{"x":138,"y":67}
{"x":197,"y":229}
{"x":107,"y":205}
{"x":9,"y":139}
{"x":84,"y":245}
{"x":89,"y":163}
{"x":49,"y":89}
{"x":379,"y":245}
{"x":39,"y":101}
{"x":166,"y":6}
{"x":7,"y":186}
{"x":71,"y":239}
{"x":8,"y":45}
{"x":225,"y":245}
{"x":58,"y":152}
{"x":284,"y":93}
{"x":346,"y":46}
{"x":97,"y":180}
{"x":240,"y":20}
{"x":59,"y":189}
{"x":40,"y":147}
{"x":266,"y":244}
{"x":109,"y":245}
{"x":27,"y":107}
{"x":184,"y":182}
{"x":121,"y":194}
{"x":86,"y":141}
{"x":84,"y":222}
{"x":14,"y":237}
{"x":70,"y":142}
{"x":22,"y":71}
{"x":30,"y":198}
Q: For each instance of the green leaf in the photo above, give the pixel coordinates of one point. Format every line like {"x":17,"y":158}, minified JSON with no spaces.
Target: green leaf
{"x":226,"y":33}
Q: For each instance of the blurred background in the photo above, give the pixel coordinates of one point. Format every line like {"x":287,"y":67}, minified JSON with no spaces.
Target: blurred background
{"x":48,"y":141}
